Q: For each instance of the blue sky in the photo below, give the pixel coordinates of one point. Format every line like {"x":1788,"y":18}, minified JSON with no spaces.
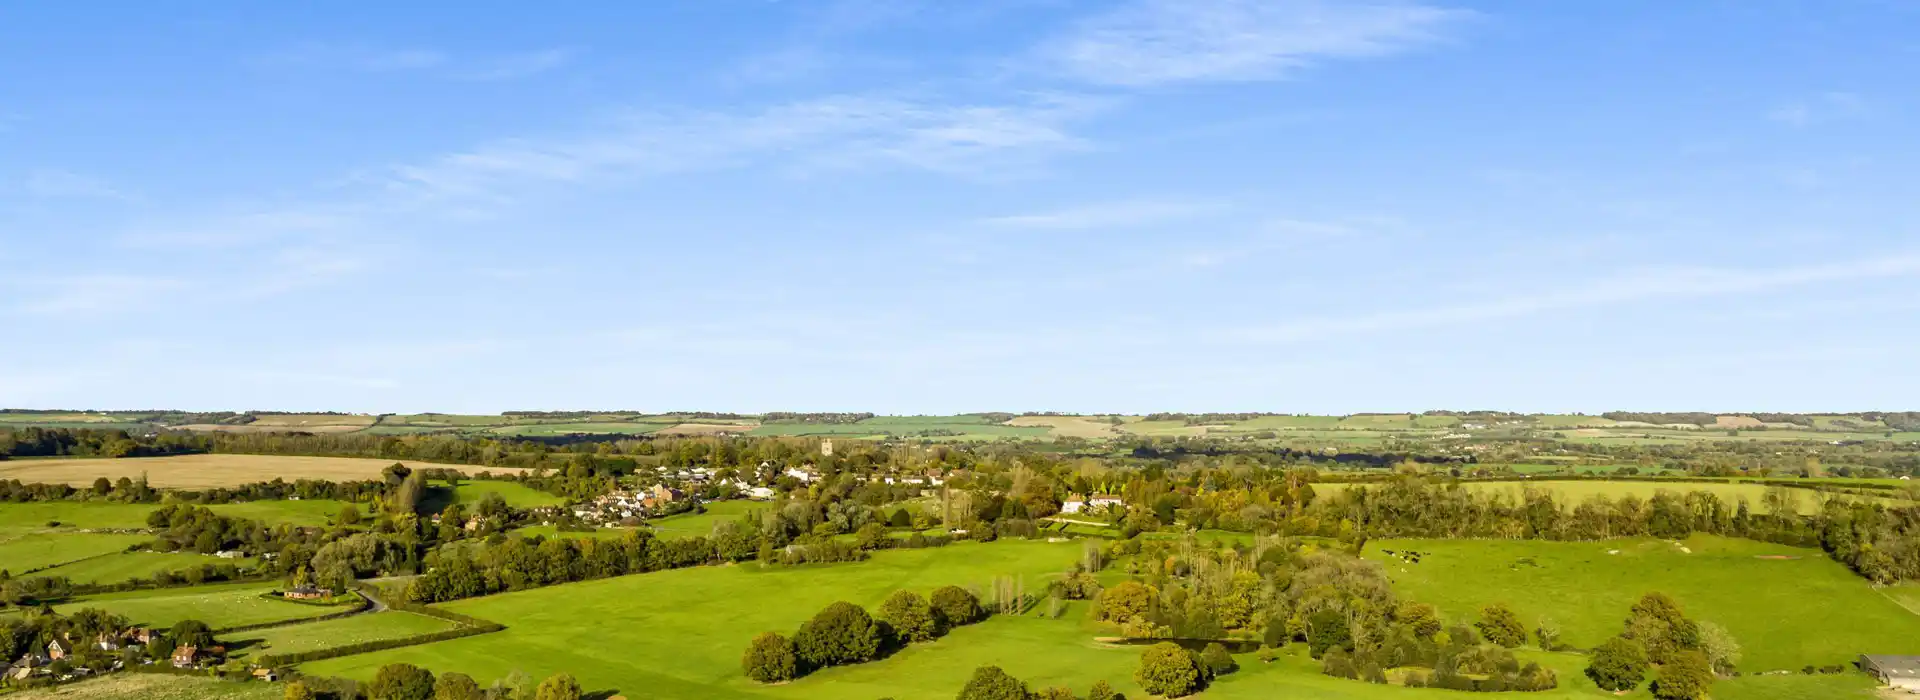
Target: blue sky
{"x":913,"y":206}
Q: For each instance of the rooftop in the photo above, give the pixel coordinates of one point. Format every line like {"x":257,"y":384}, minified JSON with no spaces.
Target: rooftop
{"x":1894,"y":666}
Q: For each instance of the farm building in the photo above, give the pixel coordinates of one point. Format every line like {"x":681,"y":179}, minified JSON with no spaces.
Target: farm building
{"x":1094,"y":504}
{"x":308,"y":593}
{"x":1898,"y":672}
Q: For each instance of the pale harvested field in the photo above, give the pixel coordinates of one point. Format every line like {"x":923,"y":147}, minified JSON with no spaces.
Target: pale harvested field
{"x":705,"y":429}
{"x":203,"y":471}
{"x":1068,"y":426}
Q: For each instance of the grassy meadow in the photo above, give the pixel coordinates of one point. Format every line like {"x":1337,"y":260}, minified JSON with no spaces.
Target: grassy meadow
{"x":1786,"y":613}
{"x":115,"y":568}
{"x":229,"y":605}
{"x":21,"y":552}
{"x":1571,"y":493}
{"x":679,"y":634}
{"x":700,"y":524}
{"x":327,"y":634}
{"x":516,"y":495}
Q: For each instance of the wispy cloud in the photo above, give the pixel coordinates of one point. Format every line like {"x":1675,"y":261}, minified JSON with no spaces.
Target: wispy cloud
{"x":1108,"y":215}
{"x":85,"y":294}
{"x":1825,"y":107}
{"x":369,"y":59}
{"x":356,"y":57}
{"x":54,"y":183}
{"x":1155,"y":42}
{"x":825,"y":134}
{"x":1639,"y":286}
{"x":519,"y":65}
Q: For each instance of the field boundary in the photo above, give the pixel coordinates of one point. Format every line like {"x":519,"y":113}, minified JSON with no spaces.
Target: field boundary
{"x":366,"y":605}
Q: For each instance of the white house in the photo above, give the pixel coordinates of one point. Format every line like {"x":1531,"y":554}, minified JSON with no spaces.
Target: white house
{"x":801,"y":475}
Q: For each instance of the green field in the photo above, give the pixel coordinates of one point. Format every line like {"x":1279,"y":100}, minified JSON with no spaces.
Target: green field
{"x":551,"y":429}
{"x":230,"y":605}
{"x":22,"y":551}
{"x":1571,"y":493}
{"x":327,"y":634}
{"x":115,"y":568}
{"x":1785,"y":613}
{"x":701,"y":524}
{"x":313,"y":511}
{"x":679,"y":634}
{"x":86,"y":514}
{"x":516,"y":495}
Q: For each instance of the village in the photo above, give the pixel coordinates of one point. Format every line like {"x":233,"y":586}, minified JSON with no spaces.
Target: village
{"x":62,"y":658}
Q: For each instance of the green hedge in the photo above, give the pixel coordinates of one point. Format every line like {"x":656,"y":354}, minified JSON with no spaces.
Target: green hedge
{"x":382,"y":645}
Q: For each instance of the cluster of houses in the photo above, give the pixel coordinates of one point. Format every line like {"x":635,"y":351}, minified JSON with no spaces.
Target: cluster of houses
{"x":35,"y":664}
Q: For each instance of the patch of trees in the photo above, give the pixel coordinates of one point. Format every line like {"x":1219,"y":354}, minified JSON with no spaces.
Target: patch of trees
{"x":515,"y":563}
{"x":1685,"y":654}
{"x":843,"y":633}
{"x":993,"y":683}
{"x":1173,"y":671}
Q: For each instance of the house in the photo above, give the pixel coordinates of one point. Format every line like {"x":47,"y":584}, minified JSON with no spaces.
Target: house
{"x":185,"y":655}
{"x":1097,"y":503}
{"x":230,"y":554}
{"x":308,"y":593}
{"x":107,"y":641}
{"x":1897,"y":672}
{"x":139,"y":635}
{"x":801,"y":475}
{"x":266,"y":674}
{"x":760,"y":493}
{"x":59,"y":648}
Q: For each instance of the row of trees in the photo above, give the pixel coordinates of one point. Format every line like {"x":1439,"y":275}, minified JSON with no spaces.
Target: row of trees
{"x":844,"y":633}
{"x":508,"y":563}
{"x":401,"y":681}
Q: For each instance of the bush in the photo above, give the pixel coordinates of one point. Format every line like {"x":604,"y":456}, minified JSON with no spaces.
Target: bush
{"x":401,"y":682}
{"x":956,"y":606}
{"x":1166,"y":669}
{"x":843,"y":633}
{"x":559,"y":686}
{"x":1217,"y":661}
{"x":911,"y":616}
{"x":1686,"y":676}
{"x":1499,"y":625}
{"x":456,"y":686}
{"x":1327,"y":629}
{"x":1618,"y":664}
{"x":1127,"y":600}
{"x":991,"y":683}
{"x":1102,"y":691}
{"x":771,"y":659}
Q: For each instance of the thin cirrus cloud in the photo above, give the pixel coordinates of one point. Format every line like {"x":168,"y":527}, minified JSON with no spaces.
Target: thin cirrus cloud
{"x":1640,"y":286}
{"x":367,"y":59}
{"x":833,"y":133}
{"x":1159,"y":42}
{"x":1829,"y":106}
{"x":1109,"y":215}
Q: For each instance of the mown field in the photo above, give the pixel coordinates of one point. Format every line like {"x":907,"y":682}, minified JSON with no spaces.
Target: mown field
{"x":1786,"y":613}
{"x":230,"y":605}
{"x":203,"y":471}
{"x":327,"y":634}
